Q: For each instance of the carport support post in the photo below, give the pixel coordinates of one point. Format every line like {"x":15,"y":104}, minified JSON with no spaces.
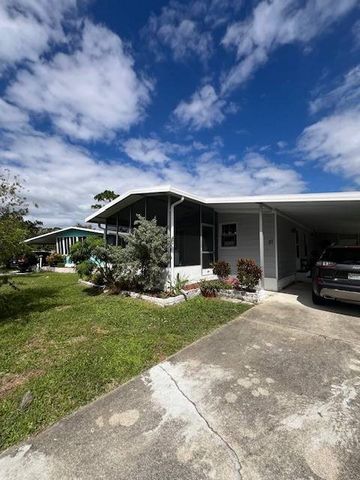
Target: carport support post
{"x":261,"y":244}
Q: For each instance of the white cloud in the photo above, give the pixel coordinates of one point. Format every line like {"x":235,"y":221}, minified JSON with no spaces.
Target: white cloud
{"x":151,"y":151}
{"x":11,"y":117}
{"x":28,"y":27}
{"x":345,"y":95}
{"x":273,"y":24}
{"x":203,"y":110}
{"x":89,"y":93}
{"x":62,"y":178}
{"x":187,"y":29}
{"x":334,"y":143}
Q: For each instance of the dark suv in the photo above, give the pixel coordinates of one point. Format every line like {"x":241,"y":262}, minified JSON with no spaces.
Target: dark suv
{"x":337,"y":275}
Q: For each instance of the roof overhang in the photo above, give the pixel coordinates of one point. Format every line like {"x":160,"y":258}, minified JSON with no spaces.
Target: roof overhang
{"x":48,"y":238}
{"x":321,"y":212}
{"x":132,"y":196}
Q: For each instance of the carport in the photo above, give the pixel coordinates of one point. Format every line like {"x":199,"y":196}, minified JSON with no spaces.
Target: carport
{"x":287,"y":233}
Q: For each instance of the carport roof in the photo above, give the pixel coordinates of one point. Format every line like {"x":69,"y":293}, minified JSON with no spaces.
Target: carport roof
{"x":51,"y":236}
{"x":322,"y":212}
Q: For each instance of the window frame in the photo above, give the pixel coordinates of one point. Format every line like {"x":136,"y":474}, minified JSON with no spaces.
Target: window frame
{"x":234,"y":247}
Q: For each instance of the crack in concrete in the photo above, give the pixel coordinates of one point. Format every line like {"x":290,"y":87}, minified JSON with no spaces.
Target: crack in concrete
{"x":228,"y":447}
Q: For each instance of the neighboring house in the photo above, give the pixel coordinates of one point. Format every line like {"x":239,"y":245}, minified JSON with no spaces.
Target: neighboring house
{"x":279,"y":232}
{"x":62,"y":240}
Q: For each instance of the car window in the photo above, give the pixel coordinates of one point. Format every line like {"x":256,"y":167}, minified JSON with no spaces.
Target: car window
{"x":342,"y":255}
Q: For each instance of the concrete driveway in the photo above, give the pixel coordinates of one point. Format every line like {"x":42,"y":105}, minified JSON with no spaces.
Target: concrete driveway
{"x":272,"y":395}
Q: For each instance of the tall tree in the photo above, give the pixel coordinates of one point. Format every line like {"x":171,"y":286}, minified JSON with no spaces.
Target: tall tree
{"x":104,"y":197}
{"x":13,"y":207}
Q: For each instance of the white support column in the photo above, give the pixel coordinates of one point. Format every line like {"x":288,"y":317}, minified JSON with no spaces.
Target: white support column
{"x":172,"y":236}
{"x":105,"y":232}
{"x":261,"y":245}
{"x":63,"y":246}
{"x":57,"y":249}
{"x":276,"y":246}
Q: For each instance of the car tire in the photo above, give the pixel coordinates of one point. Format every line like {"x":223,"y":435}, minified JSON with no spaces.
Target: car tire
{"x":317,"y":300}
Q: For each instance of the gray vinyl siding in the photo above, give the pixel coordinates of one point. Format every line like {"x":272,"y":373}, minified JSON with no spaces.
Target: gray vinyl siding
{"x":248,"y":240}
{"x":286,"y":248}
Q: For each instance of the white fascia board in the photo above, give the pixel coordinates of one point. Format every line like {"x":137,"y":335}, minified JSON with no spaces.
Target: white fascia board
{"x":56,"y":232}
{"x":251,"y":199}
{"x":300,"y":197}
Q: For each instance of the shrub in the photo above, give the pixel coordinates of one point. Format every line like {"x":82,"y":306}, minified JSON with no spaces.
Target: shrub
{"x":85,"y":269}
{"x":60,"y":264}
{"x":83,"y":250}
{"x":177,"y":287}
{"x":26,"y":261}
{"x":97,"y":278}
{"x":210,"y":288}
{"x":142,"y":263}
{"x":222,"y":269}
{"x":248,"y":273}
{"x":232,"y":282}
{"x":54,"y":258}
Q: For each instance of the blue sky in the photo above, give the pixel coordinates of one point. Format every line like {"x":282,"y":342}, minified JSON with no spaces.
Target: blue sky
{"x":218,"y":97}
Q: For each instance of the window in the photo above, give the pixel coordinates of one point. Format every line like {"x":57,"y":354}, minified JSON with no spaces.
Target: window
{"x":228,"y":235}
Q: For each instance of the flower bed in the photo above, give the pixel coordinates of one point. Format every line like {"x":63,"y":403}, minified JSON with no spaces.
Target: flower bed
{"x":160,"y":299}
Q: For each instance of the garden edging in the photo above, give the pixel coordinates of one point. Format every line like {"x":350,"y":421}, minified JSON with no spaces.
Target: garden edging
{"x":161,"y":302}
{"x":244,"y":296}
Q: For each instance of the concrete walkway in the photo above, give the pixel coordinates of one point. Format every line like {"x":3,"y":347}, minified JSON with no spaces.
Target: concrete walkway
{"x":272,"y":395}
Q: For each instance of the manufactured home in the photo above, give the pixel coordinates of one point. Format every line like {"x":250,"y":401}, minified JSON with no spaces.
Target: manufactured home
{"x":280,"y":232}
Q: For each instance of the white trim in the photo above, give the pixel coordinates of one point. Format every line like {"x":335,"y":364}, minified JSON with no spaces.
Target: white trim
{"x":284,"y":282}
{"x":172,"y":237}
{"x":261,"y":245}
{"x":276,"y":245}
{"x":271,"y":284}
{"x":55,"y":232}
{"x":302,"y":197}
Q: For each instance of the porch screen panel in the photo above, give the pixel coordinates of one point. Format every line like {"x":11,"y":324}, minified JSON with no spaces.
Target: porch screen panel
{"x":124,"y":219}
{"x":137,"y":208}
{"x":187,"y":234}
{"x":156,"y":207}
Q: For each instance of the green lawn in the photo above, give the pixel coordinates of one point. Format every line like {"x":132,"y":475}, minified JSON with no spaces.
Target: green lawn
{"x":67,"y":345}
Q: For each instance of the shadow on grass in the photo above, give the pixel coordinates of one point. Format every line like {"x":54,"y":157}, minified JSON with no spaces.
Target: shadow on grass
{"x":22,"y":302}
{"x":93,"y":291}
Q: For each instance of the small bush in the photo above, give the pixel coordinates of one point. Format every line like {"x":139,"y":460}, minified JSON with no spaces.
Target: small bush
{"x":248,"y":273}
{"x":222,"y":269}
{"x":177,"y":287}
{"x":54,"y":258}
{"x":85,"y":269}
{"x":60,"y":264}
{"x":83,"y":250}
{"x":142,"y":262}
{"x":97,"y":278}
{"x":232,"y":282}
{"x":210,"y":288}
{"x":26,"y":261}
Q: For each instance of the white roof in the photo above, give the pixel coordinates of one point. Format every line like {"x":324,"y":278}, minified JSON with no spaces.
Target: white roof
{"x":51,"y":236}
{"x":313,"y":209}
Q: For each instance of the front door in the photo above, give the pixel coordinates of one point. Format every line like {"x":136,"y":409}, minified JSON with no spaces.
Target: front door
{"x":207,"y":248}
